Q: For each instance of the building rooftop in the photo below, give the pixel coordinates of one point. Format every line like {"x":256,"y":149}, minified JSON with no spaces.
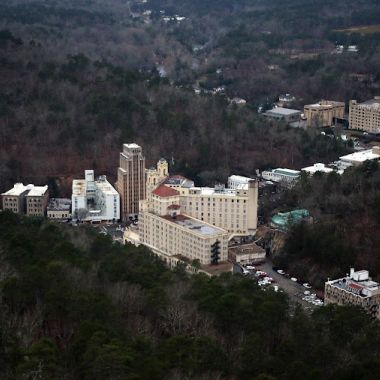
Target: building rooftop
{"x":280,"y":111}
{"x":18,"y":189}
{"x":59,"y":204}
{"x":358,"y":283}
{"x":361,"y":156}
{"x":239,"y":178}
{"x":104,"y":186}
{"x":178,"y":180}
{"x":214,"y":191}
{"x":37,"y":191}
{"x":132,"y":146}
{"x":288,"y":172}
{"x":372,"y":103}
{"x":194,"y":225}
{"x":317,"y":168}
{"x":165,"y":191}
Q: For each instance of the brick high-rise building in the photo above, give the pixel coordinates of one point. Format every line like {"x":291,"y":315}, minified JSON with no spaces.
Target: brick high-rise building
{"x":131,"y":180}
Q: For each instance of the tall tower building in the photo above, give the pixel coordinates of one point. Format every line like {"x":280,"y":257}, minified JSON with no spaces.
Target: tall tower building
{"x":131,"y":180}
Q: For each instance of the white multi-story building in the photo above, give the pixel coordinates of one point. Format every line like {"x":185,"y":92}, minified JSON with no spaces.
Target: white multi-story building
{"x":280,"y":175}
{"x":95,"y":200}
{"x":173,"y":235}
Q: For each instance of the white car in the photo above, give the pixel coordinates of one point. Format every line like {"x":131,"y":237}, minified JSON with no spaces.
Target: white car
{"x":306,"y":285}
{"x":280,"y":271}
{"x":250,"y":267}
{"x":293,"y":279}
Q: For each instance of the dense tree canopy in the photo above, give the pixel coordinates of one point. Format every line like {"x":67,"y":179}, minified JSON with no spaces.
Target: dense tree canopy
{"x":75,"y":305}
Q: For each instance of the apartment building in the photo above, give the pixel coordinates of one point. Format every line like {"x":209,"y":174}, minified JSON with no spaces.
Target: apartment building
{"x":323,"y":113}
{"x":357,"y":288}
{"x":365,"y":116}
{"x":173,"y":235}
{"x":131,"y":180}
{"x":234,"y":210}
{"x":26,"y":199}
{"x":94,"y":200}
{"x":36,"y":200}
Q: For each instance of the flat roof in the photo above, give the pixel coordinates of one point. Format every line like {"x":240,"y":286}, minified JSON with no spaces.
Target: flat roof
{"x":212,"y":191}
{"x":361,"y":156}
{"x":194,"y":225}
{"x":105,"y":187}
{"x":289,"y":172}
{"x":132,"y":146}
{"x":37,"y":191}
{"x":239,"y":178}
{"x":317,"y":168}
{"x":372,"y":103}
{"x":282,"y":111}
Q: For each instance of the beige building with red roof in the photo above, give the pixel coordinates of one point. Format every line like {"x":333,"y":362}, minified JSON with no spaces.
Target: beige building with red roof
{"x":171,"y":234}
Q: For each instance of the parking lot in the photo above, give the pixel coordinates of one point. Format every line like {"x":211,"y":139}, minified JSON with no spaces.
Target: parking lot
{"x":293,"y":289}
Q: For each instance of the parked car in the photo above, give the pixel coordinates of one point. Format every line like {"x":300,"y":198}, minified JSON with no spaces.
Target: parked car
{"x":306,"y":285}
{"x":293,"y":279}
{"x":280,"y":271}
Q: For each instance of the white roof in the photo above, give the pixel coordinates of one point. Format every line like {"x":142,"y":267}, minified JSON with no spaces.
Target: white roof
{"x":283,"y":111}
{"x":212,"y":191}
{"x":361,"y":156}
{"x":132,"y":146}
{"x":34,"y":191}
{"x":239,"y":178}
{"x":80,"y":186}
{"x":17,"y":189}
{"x":317,"y":168}
{"x":105,"y":187}
{"x":37,"y":191}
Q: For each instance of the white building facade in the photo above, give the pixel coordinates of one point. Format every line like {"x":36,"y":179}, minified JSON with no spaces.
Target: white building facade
{"x":95,"y":200}
{"x":280,"y":175}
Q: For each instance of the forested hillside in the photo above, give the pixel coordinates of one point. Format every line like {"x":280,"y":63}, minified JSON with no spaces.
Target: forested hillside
{"x":74,"y":305}
{"x":79,"y":78}
{"x":346,"y":221}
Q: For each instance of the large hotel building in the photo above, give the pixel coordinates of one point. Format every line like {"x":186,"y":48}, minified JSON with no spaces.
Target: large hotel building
{"x":131,"y":180}
{"x":365,"y":116}
{"x":174,"y":235}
